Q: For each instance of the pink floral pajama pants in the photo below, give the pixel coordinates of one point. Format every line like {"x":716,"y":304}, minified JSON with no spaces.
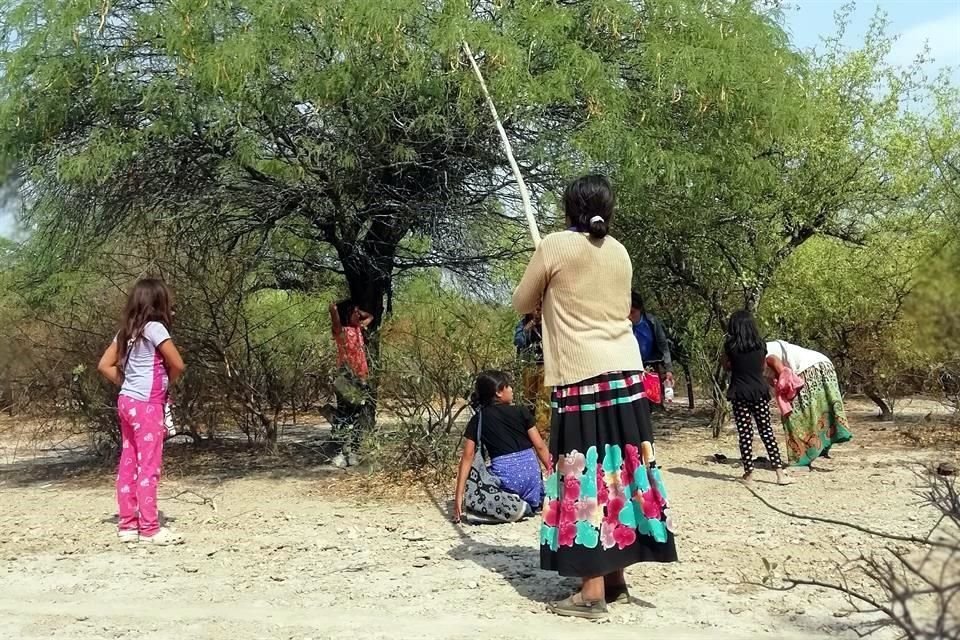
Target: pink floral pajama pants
{"x":141,"y":439}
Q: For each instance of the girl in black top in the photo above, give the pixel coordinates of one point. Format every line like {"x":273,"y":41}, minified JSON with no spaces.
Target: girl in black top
{"x":745,"y":354}
{"x":512,"y":441}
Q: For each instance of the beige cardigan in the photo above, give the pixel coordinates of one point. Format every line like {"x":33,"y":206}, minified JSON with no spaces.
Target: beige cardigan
{"x":585,"y":287}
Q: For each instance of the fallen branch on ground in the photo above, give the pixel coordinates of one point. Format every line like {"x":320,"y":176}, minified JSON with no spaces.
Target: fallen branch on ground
{"x":204,"y":500}
{"x":916,"y":591}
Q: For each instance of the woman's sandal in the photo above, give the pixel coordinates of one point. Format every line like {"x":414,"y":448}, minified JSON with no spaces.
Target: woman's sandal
{"x":575,"y":606}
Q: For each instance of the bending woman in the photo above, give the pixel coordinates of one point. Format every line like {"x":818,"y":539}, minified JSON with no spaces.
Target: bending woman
{"x":818,"y":420}
{"x":605,"y":502}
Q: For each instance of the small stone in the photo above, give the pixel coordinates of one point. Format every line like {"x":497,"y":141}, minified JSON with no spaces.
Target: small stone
{"x":841,"y":614}
{"x":414,"y":536}
{"x":800,"y":611}
{"x":736,"y":610}
{"x":947,"y":469}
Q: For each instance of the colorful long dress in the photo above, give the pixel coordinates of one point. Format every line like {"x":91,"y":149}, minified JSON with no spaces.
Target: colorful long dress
{"x":354,"y":413}
{"x":818,"y":420}
{"x":604,"y":509}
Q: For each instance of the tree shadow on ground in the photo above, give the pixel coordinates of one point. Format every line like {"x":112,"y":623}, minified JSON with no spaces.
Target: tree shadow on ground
{"x":711,"y":475}
{"x":208,"y":461}
{"x":720,"y":460}
{"x":703,"y":475}
{"x":679,"y":422}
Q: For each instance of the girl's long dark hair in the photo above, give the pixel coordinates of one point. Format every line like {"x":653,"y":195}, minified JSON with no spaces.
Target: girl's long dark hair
{"x":743,"y":335}
{"x":486,"y":388}
{"x":345,"y":309}
{"x":149,"y":301}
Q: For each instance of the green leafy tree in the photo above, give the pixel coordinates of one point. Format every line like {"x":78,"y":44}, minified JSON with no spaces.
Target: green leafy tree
{"x":850,"y":302}
{"x":935,"y":306}
{"x":776,"y":149}
{"x":349,"y":137}
{"x":345,"y":135}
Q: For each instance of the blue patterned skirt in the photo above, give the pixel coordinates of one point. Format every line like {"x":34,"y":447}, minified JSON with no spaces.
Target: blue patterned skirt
{"x":519,"y":473}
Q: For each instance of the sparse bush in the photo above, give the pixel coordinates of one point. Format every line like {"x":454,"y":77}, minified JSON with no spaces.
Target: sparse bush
{"x":430,"y":355}
{"x":255,"y":357}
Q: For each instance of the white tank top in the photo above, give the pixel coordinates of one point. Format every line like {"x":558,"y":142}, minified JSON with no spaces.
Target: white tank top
{"x":797,"y":358}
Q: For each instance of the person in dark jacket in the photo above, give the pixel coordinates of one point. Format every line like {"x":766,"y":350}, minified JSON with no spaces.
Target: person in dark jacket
{"x":652,"y":338}
{"x":528,"y":339}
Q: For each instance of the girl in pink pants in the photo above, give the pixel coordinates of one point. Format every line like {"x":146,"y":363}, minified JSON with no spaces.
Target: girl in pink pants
{"x":142,"y":360}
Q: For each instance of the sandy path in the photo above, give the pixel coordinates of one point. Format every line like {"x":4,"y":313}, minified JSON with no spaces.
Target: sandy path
{"x":283,"y":558}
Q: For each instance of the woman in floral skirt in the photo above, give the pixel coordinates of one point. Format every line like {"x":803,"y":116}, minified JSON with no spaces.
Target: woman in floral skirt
{"x":817,"y":419}
{"x":606,"y":506}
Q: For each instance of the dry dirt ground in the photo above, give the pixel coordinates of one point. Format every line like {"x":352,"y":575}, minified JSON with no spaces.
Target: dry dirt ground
{"x":283,"y":550}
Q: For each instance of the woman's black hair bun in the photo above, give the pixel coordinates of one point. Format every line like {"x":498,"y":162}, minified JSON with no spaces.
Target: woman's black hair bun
{"x":599,"y":228}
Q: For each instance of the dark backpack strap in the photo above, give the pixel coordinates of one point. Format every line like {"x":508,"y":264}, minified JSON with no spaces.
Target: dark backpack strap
{"x":480,"y":430}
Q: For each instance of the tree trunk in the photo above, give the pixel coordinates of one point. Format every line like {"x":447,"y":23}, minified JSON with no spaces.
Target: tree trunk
{"x":752,"y":299}
{"x":886,"y":411}
{"x":720,"y":406}
{"x":370,"y":283}
{"x":369,"y":292}
{"x":689,"y":378}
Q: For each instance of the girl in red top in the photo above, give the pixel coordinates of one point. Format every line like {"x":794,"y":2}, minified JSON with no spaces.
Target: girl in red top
{"x":353,"y":414}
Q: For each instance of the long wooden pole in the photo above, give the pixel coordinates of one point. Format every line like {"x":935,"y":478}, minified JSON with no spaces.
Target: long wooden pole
{"x":521,"y":185}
